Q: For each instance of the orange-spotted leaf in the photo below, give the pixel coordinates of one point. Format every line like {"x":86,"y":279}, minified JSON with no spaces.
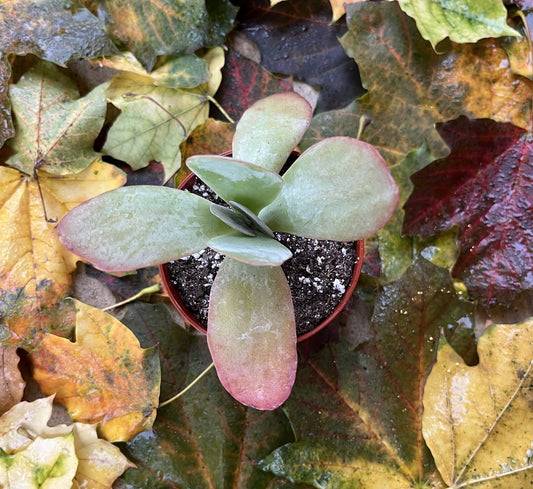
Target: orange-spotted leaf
{"x":35,"y":268}
{"x":103,"y":377}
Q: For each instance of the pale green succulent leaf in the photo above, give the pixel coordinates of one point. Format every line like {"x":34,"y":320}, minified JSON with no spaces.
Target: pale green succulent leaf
{"x":251,"y":333}
{"x":339,"y":189}
{"x":248,"y":184}
{"x":270,"y":129}
{"x":232,"y":219}
{"x":257,"y":250}
{"x":139,"y":226}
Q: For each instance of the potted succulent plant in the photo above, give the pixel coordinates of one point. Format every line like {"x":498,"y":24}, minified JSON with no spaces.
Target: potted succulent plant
{"x":338,"y":189}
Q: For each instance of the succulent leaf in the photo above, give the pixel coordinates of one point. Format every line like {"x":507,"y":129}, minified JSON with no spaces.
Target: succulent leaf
{"x":270,"y":129}
{"x":252,"y":333}
{"x":139,"y":226}
{"x":233,"y":219}
{"x":257,"y":250}
{"x":251,"y":185}
{"x":255,"y":221}
{"x":340,"y":189}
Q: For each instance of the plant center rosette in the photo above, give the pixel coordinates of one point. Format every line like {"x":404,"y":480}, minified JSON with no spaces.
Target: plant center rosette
{"x":339,"y":189}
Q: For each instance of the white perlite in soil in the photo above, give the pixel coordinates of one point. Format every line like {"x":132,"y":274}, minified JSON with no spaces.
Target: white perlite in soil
{"x":318,"y":273}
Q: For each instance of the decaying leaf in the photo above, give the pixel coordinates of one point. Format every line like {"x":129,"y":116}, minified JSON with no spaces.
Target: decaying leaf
{"x":35,"y":455}
{"x":103,"y":377}
{"x":484,"y":188}
{"x":157,"y":113}
{"x":477,"y":420}
{"x":54,"y":30}
{"x":55,"y":130}
{"x":150,"y":28}
{"x":410,"y":87}
{"x":11,"y":382}
{"x":460,"y":20}
{"x":35,"y":268}
{"x":357,"y":413}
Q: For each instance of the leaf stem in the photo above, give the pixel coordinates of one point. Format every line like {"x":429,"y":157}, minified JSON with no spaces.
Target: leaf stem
{"x":179,"y":394}
{"x":219,"y":107}
{"x":147,"y":290}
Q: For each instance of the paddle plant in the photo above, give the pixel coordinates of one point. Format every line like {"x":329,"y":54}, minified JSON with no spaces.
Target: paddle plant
{"x":338,"y":189}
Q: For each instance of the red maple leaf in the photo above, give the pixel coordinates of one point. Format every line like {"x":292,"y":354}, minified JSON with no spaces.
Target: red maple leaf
{"x":485,"y":189}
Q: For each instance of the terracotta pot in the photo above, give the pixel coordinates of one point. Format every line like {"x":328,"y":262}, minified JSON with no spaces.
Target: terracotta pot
{"x":177,"y":301}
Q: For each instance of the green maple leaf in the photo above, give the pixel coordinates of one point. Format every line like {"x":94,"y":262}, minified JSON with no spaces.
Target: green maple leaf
{"x":460,"y":20}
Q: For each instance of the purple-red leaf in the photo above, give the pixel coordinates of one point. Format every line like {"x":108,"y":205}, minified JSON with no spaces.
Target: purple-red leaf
{"x":245,"y":82}
{"x":485,"y":189}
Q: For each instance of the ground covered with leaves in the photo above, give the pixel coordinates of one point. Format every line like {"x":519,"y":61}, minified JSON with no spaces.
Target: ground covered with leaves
{"x":426,"y":379}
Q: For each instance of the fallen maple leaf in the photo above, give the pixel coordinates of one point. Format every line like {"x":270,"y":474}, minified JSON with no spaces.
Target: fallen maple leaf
{"x":477,"y":420}
{"x":10,"y":378}
{"x":54,"y":129}
{"x":35,"y":270}
{"x":158,"y":110}
{"x":485,"y":189}
{"x":41,"y":456}
{"x":104,"y":377}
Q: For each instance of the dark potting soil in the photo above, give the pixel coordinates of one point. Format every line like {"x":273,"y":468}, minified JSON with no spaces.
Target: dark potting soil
{"x":318,"y":274}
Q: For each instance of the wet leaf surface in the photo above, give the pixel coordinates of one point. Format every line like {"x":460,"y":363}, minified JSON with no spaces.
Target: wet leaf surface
{"x":475,"y":418}
{"x":103,"y":377}
{"x":157,"y":114}
{"x":35,"y":274}
{"x":54,"y":30}
{"x":461,"y":21}
{"x":204,"y":439}
{"x":38,"y":455}
{"x":149,"y":28}
{"x":357,"y":413}
{"x":485,"y":188}
{"x":298,"y":39}
{"x":410,"y":87}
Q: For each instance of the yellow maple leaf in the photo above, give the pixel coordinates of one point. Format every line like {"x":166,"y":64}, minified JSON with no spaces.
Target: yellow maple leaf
{"x":104,"y":377}
{"x":35,"y":270}
{"x":477,"y":420}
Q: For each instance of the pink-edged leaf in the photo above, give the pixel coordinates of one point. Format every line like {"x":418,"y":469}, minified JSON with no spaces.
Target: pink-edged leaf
{"x":252,"y":333}
{"x":270,"y":129}
{"x":485,"y":189}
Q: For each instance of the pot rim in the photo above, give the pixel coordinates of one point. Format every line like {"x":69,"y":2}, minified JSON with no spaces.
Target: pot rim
{"x":178,"y":303}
